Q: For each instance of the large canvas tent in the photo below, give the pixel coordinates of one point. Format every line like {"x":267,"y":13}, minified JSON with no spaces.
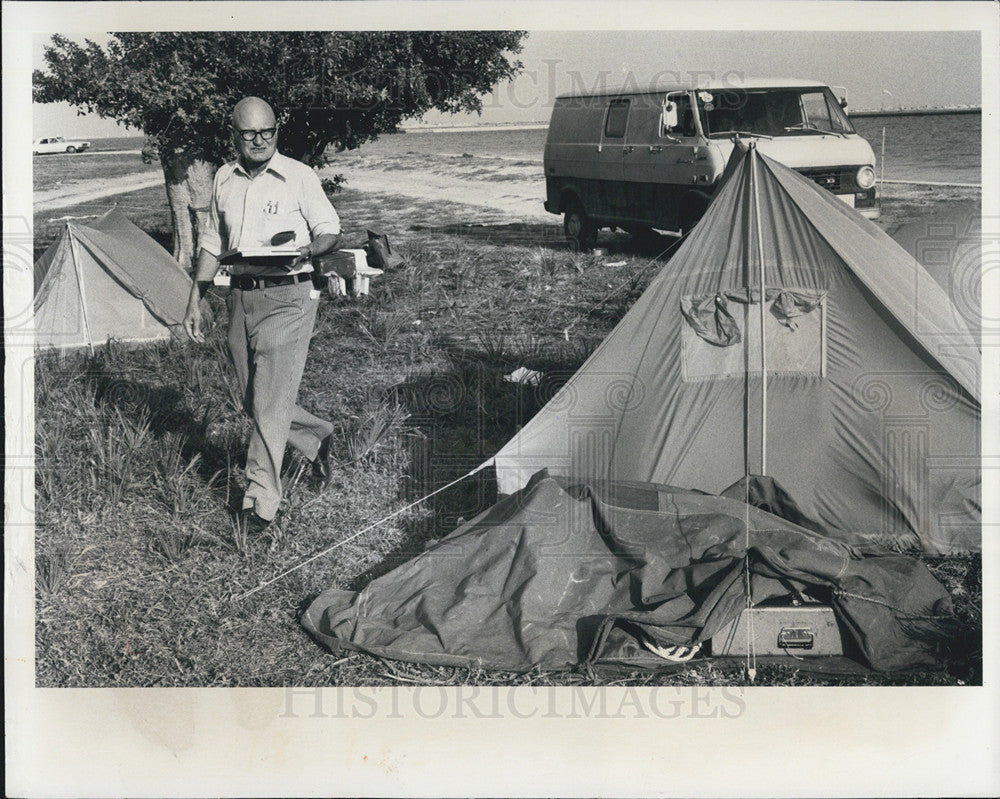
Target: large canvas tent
{"x":870,"y":418}
{"x":107,"y":280}
{"x":663,"y":489}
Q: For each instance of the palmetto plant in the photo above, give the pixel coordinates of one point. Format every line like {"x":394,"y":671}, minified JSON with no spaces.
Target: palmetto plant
{"x":118,"y":450}
{"x":383,"y":327}
{"x":363,"y":435}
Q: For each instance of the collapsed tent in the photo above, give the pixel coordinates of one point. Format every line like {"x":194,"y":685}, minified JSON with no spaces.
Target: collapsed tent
{"x":868,"y":429}
{"x":557,"y":576}
{"x":107,"y":280}
{"x":870,"y":418}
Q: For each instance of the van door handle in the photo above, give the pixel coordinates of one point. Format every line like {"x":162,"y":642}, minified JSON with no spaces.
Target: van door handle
{"x":655,"y":148}
{"x":628,"y":148}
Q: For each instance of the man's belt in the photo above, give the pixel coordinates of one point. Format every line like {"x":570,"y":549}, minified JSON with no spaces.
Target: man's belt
{"x":249,"y":282}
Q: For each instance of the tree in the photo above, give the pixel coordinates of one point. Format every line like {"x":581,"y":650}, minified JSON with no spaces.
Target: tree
{"x":327,"y":89}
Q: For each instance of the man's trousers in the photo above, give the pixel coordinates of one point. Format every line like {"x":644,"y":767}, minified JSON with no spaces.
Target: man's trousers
{"x":269,"y":332}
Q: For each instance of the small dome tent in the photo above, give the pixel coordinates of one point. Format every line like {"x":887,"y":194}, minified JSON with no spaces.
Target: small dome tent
{"x":107,"y":280}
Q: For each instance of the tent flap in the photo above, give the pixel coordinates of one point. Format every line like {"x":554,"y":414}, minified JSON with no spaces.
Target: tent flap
{"x":710,"y":318}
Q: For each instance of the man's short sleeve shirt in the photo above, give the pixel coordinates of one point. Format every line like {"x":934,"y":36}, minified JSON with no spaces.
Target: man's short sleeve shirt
{"x":247,"y":212}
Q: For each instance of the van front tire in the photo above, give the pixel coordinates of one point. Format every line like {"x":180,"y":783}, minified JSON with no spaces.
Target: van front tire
{"x":580,"y":229}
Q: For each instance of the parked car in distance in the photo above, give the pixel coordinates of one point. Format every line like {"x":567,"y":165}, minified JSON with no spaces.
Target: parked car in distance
{"x":58,"y":144}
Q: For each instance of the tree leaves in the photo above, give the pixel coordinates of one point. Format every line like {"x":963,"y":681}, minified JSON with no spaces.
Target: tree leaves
{"x":326,"y":88}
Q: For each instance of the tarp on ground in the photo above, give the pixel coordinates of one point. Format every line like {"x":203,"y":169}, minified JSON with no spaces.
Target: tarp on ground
{"x":556,"y":576}
{"x":107,"y":280}
{"x":871,"y":417}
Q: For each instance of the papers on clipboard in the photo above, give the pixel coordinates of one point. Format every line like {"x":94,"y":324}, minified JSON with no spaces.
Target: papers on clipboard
{"x":285,"y":251}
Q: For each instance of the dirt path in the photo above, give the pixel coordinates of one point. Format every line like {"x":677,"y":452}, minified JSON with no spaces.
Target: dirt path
{"x":94,"y":189}
{"x":520,"y":199}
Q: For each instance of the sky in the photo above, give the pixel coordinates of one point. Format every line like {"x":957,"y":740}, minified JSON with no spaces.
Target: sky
{"x":877,"y":69}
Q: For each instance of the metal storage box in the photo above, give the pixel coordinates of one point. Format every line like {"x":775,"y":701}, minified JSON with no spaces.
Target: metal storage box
{"x":800,"y":630}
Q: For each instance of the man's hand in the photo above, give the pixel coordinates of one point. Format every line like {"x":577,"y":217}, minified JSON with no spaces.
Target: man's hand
{"x":323,"y":244}
{"x":305,"y":253}
{"x":192,"y":320}
{"x":208,"y":265}
{"x":192,"y":316}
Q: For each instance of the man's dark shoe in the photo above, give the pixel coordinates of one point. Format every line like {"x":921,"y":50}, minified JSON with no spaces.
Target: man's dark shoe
{"x":251,"y":523}
{"x":322,"y":467}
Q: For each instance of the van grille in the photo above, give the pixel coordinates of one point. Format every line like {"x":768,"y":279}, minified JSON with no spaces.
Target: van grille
{"x":832,"y":179}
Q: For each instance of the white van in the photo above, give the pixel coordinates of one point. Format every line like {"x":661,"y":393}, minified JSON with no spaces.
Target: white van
{"x":653,"y":158}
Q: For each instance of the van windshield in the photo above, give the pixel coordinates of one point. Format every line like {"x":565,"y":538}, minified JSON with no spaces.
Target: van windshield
{"x":772,"y":112}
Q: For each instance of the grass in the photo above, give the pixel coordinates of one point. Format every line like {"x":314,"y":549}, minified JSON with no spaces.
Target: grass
{"x":62,"y":171}
{"x":139,"y":453}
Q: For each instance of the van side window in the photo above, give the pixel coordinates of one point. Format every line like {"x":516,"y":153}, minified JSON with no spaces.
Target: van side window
{"x":614,"y":126}
{"x":684,"y":116}
{"x":816,"y":112}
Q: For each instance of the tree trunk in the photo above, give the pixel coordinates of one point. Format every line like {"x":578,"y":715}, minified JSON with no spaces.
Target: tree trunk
{"x":189,"y":192}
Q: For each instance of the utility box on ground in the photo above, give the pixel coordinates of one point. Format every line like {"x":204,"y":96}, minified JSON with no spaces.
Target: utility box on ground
{"x":808,"y":630}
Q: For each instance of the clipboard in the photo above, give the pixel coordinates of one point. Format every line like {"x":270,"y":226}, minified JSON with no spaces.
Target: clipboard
{"x":259,"y":252}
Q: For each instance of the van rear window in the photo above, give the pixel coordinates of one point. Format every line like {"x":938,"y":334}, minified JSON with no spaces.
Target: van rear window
{"x":617,"y":119}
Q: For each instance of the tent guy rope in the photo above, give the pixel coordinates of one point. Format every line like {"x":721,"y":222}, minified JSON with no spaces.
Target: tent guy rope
{"x":359,"y":533}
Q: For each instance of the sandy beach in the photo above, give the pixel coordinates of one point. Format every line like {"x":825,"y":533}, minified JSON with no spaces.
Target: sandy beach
{"x":518,"y":195}
{"x":491,"y":188}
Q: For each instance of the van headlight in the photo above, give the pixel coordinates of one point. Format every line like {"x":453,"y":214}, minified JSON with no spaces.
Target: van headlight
{"x":865,"y":177}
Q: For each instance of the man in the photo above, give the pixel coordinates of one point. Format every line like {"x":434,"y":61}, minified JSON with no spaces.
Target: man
{"x":271,"y":310}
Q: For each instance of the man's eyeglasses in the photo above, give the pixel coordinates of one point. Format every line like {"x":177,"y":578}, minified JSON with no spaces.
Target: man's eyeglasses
{"x":249,"y":135}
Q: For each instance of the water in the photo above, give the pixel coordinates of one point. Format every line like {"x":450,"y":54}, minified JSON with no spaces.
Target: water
{"x":942,"y":148}
{"x":117,"y":143}
{"x":518,"y":145}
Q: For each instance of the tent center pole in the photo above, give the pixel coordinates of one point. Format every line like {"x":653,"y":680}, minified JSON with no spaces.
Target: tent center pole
{"x":83,"y":293}
{"x":763,"y":304}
